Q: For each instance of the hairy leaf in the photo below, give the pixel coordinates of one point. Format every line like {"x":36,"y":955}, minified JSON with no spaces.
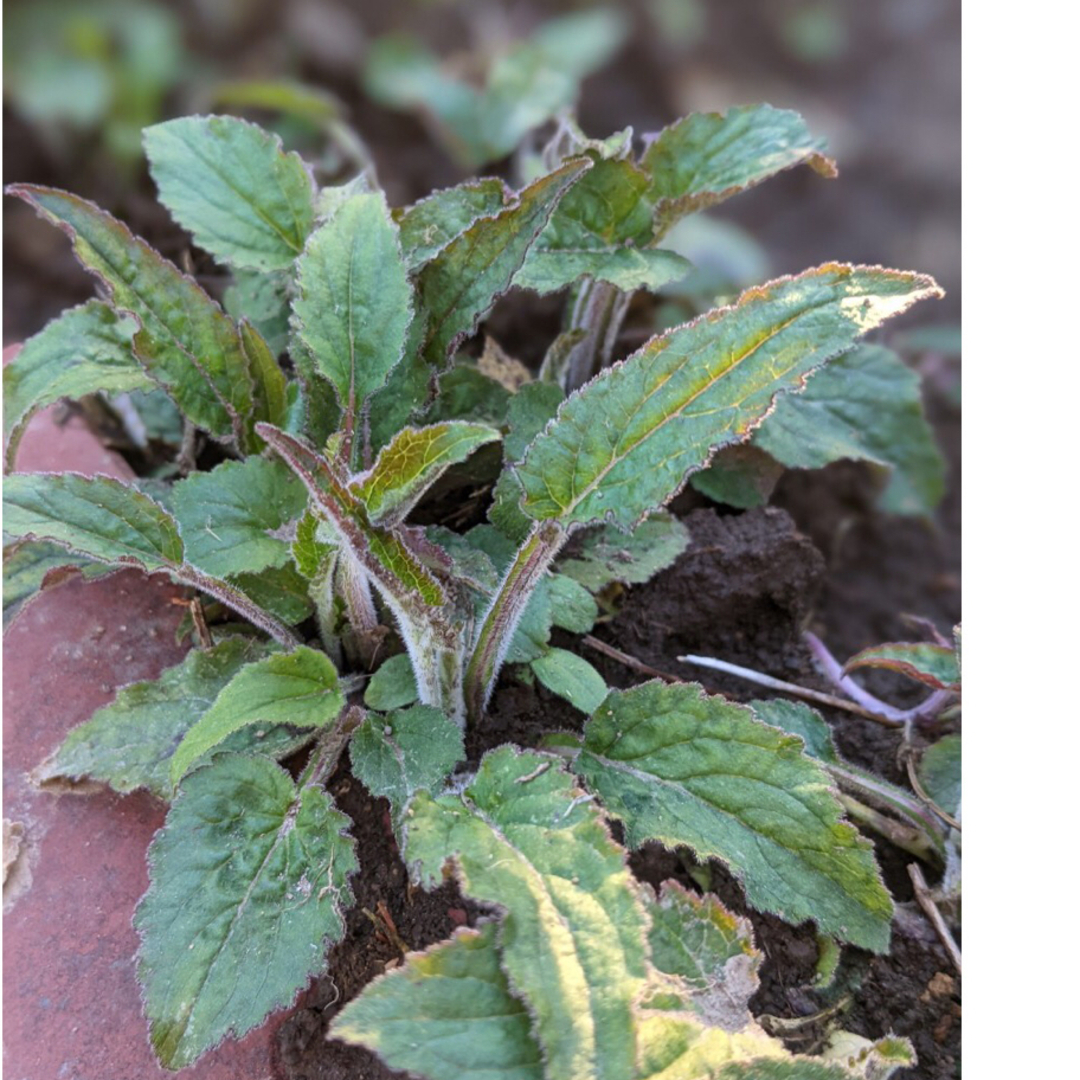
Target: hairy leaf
{"x":923,"y":661}
{"x":573,"y":937}
{"x":393,"y":686}
{"x":233,"y":187}
{"x":186,"y":343}
{"x":625,"y":443}
{"x":31,"y":566}
{"x":430,"y":224}
{"x":681,"y":767}
{"x":248,"y":880}
{"x":98,"y":517}
{"x":799,"y":719}
{"x":407,"y":467}
{"x":355,"y":303}
{"x":608,"y":554}
{"x":459,"y":286}
{"x":127,"y":744}
{"x":85,"y":350}
{"x":707,"y":157}
{"x":710,"y":950}
{"x":309,"y":547}
{"x":939,"y":773}
{"x":446,"y":1014}
{"x":406,"y":751}
{"x":571,"y":677}
{"x":600,"y":229}
{"x":299,"y":688}
{"x":227,"y":516}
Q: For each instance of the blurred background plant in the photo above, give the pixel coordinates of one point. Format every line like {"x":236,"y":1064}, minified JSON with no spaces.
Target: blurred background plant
{"x":348,"y":81}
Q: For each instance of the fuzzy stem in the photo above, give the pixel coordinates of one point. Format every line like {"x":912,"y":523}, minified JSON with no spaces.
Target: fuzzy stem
{"x":232,"y":597}
{"x":324,"y":755}
{"x":502,"y":617}
{"x":903,"y":836}
{"x":599,"y":310}
{"x":869,"y":787}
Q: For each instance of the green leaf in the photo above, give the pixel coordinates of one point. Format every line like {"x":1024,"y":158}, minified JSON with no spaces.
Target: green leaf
{"x":939,"y":773}
{"x":355,"y":303}
{"x":705,"y":158}
{"x":742,"y":475}
{"x":31,"y":566}
{"x":446,"y":1014}
{"x":430,"y":224}
{"x":295,"y":99}
{"x":270,"y":388}
{"x":459,"y":286}
{"x":98,"y":517}
{"x":529,"y":410}
{"x":609,"y":554}
{"x":799,"y":719}
{"x":865,"y":406}
{"x":263,"y":300}
{"x":407,"y":467}
{"x":627,"y":268}
{"x":393,"y":686}
{"x":406,"y":751}
{"x":923,"y":661}
{"x":309,"y":548}
{"x":299,"y":688}
{"x":127,"y":744}
{"x":227,"y":516}
{"x":681,"y":767}
{"x":571,"y":677}
{"x":85,"y":350}
{"x":625,"y":443}
{"x":466,"y":393}
{"x":233,"y":187}
{"x":281,"y":590}
{"x":573,"y":607}
{"x":525,"y":87}
{"x":573,"y":936}
{"x":248,"y":880}
{"x":600,"y":229}
{"x":186,"y":343}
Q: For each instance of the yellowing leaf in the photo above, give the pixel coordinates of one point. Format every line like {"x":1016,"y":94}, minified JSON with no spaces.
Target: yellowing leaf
{"x":626,"y":442}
